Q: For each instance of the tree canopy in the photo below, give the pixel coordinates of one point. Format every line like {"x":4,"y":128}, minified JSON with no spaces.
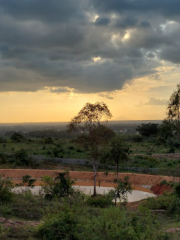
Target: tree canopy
{"x":173,"y":109}
{"x":92,"y":131}
{"x":148,"y":129}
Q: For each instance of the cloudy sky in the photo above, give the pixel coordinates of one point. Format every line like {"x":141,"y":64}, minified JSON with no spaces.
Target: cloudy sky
{"x":57,"y":55}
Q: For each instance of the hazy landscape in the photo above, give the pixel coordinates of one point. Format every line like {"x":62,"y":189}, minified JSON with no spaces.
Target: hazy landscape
{"x":90,"y":120}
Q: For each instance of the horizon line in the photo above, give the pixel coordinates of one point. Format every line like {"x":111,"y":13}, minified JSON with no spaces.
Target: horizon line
{"x":69,"y":121}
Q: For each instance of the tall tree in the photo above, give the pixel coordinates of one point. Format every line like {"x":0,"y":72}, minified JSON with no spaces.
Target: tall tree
{"x":173,"y":110}
{"x":116,"y":152}
{"x":92,"y":131}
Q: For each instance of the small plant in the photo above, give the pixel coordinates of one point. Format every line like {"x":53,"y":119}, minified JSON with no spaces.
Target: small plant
{"x":169,"y":164}
{"x":22,"y":157}
{"x":79,"y":150}
{"x":28,"y":181}
{"x":171,"y":150}
{"x":5,"y":189}
{"x":177,"y":190}
{"x":60,"y":226}
{"x":106,"y":174}
{"x":99,"y":200}
{"x":163,"y":182}
{"x":48,"y":140}
{"x":55,"y":152}
{"x":123,"y":188}
{"x":60,"y":187}
{"x":71,"y":148}
{"x":17,"y":137}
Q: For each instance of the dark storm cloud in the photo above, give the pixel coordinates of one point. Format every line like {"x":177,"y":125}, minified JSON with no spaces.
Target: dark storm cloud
{"x":103,"y":21}
{"x":169,"y":9}
{"x":126,"y":22}
{"x":86,"y":45}
{"x":53,"y":11}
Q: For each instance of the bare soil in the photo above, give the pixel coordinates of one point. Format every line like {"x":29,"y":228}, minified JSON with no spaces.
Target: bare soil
{"x":84,"y":178}
{"x":160,"y":189}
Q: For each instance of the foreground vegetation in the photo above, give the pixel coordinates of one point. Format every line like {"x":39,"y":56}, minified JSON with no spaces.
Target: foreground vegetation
{"x":71,"y":215}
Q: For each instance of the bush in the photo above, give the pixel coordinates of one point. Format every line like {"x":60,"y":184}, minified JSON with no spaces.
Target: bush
{"x":2,"y":140}
{"x":79,"y":150}
{"x":171,"y":150}
{"x":164,"y":182}
{"x":169,"y":164}
{"x":81,"y":223}
{"x":168,"y":202}
{"x":70,"y":148}
{"x":3,"y":158}
{"x":61,"y":226}
{"x":17,"y":137}
{"x":137,"y":138}
{"x":99,"y":200}
{"x":22,"y":157}
{"x":48,"y":140}
{"x":60,"y":187}
{"x":5,"y":189}
{"x":177,"y":190}
{"x":55,"y":152}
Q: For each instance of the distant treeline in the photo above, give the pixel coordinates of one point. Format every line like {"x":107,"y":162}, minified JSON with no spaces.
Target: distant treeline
{"x":43,"y":134}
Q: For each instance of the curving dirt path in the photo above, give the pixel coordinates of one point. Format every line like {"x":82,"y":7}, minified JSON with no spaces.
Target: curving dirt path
{"x":86,"y":178}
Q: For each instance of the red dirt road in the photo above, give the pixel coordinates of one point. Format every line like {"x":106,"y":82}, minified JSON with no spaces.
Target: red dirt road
{"x":86,"y":178}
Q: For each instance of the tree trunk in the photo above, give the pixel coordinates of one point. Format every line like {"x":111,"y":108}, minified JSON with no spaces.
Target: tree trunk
{"x":117,"y":169}
{"x":94,"y":170}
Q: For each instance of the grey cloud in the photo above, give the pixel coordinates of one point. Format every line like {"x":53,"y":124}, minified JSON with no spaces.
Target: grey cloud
{"x":59,"y":90}
{"x":165,"y":7}
{"x":144,"y":24}
{"x":171,"y":53}
{"x":105,"y":96}
{"x":126,"y":22}
{"x":156,"y":101}
{"x":102,"y":21}
{"x":53,"y":43}
{"x":150,"y":55}
{"x":163,"y":89}
{"x":44,"y":10}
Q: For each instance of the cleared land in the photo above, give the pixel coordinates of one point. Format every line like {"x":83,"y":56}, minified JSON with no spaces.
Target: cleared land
{"x":86,"y":178}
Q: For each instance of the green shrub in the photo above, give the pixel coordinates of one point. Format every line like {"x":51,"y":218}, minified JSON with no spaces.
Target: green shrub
{"x":61,"y":226}
{"x":3,"y":158}
{"x":80,"y":223}
{"x":99,"y":200}
{"x":137,"y":138}
{"x":55,"y":152}
{"x":22,"y":156}
{"x":17,"y":137}
{"x":177,"y":190}
{"x":70,"y":148}
{"x":5,"y":210}
{"x":2,"y":140}
{"x":60,"y":187}
{"x":48,"y":140}
{"x":3,"y":232}
{"x":164,"y":182}
{"x":171,"y":150}
{"x":5,"y":189}
{"x":79,"y":150}
{"x":168,"y":202}
{"x":169,"y":164}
